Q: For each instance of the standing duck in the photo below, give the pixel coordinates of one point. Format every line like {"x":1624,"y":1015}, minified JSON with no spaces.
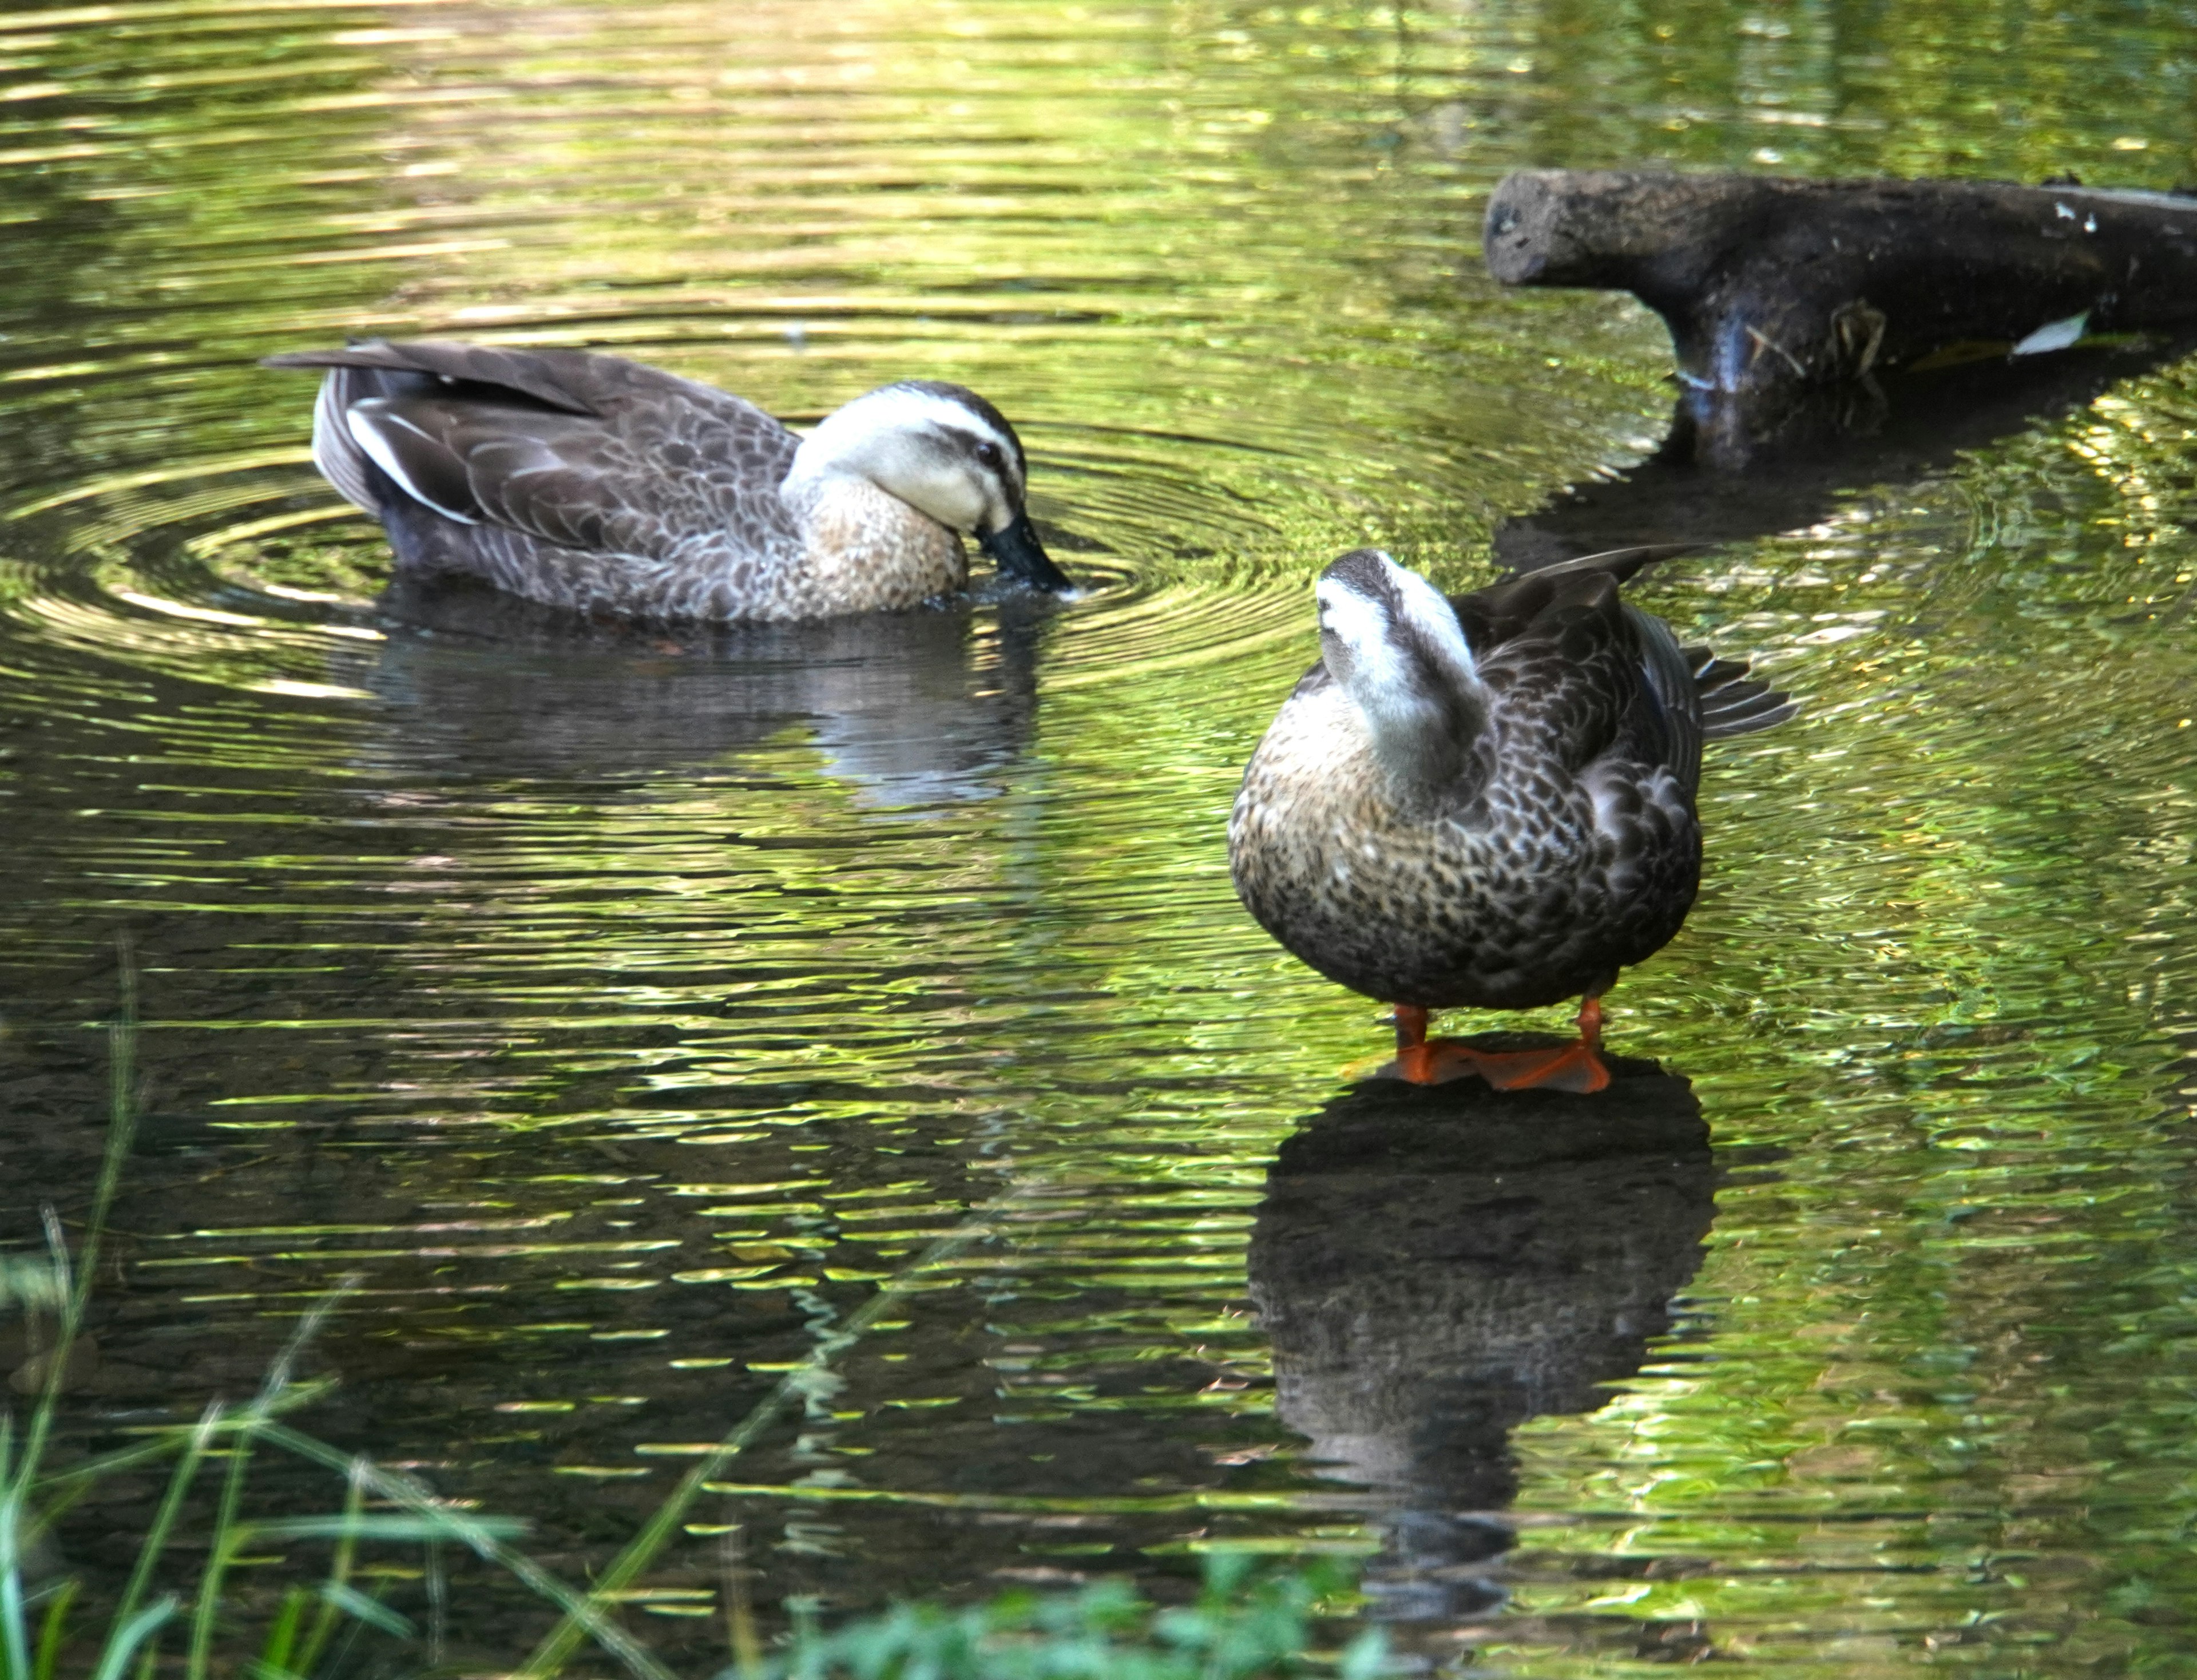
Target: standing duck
{"x":1485,"y":800}
{"x":597,"y":484}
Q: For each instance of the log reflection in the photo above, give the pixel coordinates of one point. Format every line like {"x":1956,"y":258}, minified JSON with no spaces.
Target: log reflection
{"x":1813,"y":449}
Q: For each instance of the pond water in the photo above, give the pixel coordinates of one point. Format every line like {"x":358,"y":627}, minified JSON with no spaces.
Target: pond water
{"x":633,"y":1014}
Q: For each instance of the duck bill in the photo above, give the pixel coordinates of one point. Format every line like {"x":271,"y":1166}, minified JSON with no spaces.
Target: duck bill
{"x":1018,"y":554}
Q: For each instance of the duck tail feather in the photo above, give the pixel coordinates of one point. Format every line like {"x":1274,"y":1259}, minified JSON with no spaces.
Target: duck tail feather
{"x":335,"y":451}
{"x":1744,"y":708}
{"x":1621,"y":563}
{"x":1731,"y":702}
{"x":1711,"y":673}
{"x":527,"y":374}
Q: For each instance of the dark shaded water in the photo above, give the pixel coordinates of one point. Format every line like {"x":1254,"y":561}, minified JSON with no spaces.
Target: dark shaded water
{"x":627,"y":1012}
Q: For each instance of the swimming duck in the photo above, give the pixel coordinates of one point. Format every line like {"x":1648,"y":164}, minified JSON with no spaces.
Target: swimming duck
{"x":597,"y":484}
{"x":1485,"y":800}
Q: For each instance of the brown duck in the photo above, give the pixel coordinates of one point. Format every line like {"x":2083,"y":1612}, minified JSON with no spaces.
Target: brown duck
{"x":1485,"y":800}
{"x":597,"y":484}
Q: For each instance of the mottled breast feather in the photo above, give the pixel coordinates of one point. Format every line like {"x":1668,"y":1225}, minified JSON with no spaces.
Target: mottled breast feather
{"x":1569,"y":848}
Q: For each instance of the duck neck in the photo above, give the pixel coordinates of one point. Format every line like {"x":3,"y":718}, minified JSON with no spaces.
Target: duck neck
{"x":866,"y":548}
{"x":1424,"y":742}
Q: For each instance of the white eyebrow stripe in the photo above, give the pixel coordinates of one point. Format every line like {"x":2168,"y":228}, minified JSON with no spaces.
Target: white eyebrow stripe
{"x":898,"y":406}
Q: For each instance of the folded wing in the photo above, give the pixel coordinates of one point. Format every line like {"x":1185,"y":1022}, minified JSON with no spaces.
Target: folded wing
{"x":1609,"y":679}
{"x":580,"y":451}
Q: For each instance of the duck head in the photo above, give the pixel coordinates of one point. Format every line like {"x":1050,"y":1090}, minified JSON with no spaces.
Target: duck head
{"x":946,"y":453}
{"x":1391,"y":640}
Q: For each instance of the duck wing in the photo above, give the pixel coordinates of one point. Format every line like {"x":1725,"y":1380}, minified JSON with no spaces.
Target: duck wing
{"x":1579,"y":674}
{"x":1609,"y":678}
{"x":583,"y":451}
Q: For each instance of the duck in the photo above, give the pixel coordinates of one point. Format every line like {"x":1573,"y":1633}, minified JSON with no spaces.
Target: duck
{"x":1486,"y":800}
{"x":611,"y":487}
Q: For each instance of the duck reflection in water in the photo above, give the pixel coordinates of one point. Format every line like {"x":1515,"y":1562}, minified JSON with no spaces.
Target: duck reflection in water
{"x":910,"y":708}
{"x":1436,"y":1265}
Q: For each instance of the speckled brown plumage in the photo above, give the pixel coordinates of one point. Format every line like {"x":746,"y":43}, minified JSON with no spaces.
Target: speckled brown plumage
{"x":596,"y":484}
{"x":1556,"y":844}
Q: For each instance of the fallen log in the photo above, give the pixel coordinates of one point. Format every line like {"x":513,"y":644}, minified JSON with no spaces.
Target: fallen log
{"x":1786,"y":300}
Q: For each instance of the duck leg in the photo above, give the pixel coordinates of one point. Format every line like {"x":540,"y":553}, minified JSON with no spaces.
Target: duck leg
{"x":1416,"y":1059}
{"x":1570,"y":1067}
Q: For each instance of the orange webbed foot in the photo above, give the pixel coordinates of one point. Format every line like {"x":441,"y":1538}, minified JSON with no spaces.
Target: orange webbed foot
{"x":1575,"y":1067}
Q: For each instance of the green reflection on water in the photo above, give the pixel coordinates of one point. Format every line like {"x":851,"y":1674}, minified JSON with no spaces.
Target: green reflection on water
{"x":754,"y":966}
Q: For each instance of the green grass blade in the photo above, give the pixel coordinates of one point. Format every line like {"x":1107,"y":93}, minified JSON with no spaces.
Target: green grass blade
{"x":15,"y":1633}
{"x":359,"y":1608}
{"x":75,"y":1288}
{"x":132,"y":1634}
{"x":121,"y":1132}
{"x":163,"y":1519}
{"x":53,"y":1631}
{"x":276,"y":1382}
{"x":378,"y":1525}
{"x":740,"y":1632}
{"x":56,"y":1358}
{"x":58,"y":1489}
{"x":324,"y":1621}
{"x":438,"y":1604}
{"x":469,"y":1531}
{"x":556,"y":1649}
{"x":282,"y":1634}
{"x":228,"y":1533}
{"x":229,"y":1536}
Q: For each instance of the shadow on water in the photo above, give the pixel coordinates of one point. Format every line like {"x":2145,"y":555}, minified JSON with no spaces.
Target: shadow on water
{"x":1808,"y":459}
{"x":913,"y":707}
{"x":1437,"y":1266}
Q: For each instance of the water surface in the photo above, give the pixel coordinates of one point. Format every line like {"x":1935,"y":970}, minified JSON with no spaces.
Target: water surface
{"x":627,"y":1010}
